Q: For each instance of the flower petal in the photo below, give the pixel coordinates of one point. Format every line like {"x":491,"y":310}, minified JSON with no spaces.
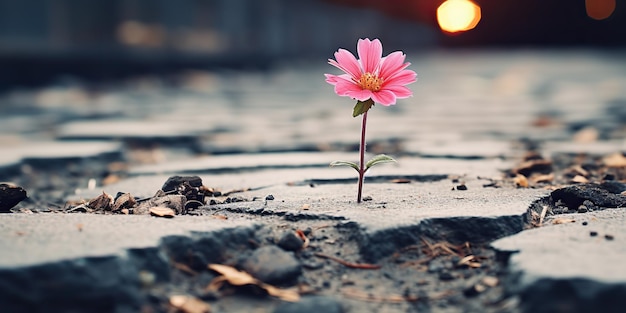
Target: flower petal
{"x":370,"y":53}
{"x":332,"y":79}
{"x":361,"y":94}
{"x":384,"y":97}
{"x":401,"y":78}
{"x":401,"y":92}
{"x":392,"y":64}
{"x":346,"y":87}
{"x":347,"y":62}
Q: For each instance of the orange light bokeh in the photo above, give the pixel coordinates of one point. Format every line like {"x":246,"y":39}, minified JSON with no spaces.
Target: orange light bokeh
{"x":599,"y":9}
{"x":458,"y":15}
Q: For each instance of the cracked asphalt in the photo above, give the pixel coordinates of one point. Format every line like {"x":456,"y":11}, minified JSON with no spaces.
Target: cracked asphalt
{"x":473,"y":116}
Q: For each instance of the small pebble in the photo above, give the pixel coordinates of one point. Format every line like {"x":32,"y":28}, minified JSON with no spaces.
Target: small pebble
{"x":582,"y":209}
{"x":609,"y":237}
{"x":585,"y":223}
{"x":269,"y":197}
{"x":446,"y":276}
{"x":593,"y":233}
{"x":461,"y":187}
{"x":290,"y":241}
{"x":367,"y":198}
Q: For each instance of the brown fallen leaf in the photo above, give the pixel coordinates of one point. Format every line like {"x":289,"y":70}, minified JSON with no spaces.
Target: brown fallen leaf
{"x":557,"y":221}
{"x":490,"y":281}
{"x":101,"y":202}
{"x":586,"y":135}
{"x":521,"y":181}
{"x":189,"y":304}
{"x":615,"y":160}
{"x":162,"y":212}
{"x":124,"y":201}
{"x":239,"y":278}
{"x":579,"y":179}
{"x":542,"y":178}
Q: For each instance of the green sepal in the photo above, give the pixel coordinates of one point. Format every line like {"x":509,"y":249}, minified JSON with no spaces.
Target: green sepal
{"x":379,"y":159}
{"x":345,"y":163}
{"x":362,"y":107}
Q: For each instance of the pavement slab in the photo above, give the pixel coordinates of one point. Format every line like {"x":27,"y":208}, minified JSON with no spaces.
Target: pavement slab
{"x":273,"y":134}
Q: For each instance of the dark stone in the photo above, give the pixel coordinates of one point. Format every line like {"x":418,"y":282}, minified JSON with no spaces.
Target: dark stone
{"x":446,"y":276}
{"x":312,"y":264}
{"x":575,"y":295}
{"x":461,"y":187}
{"x":609,"y":237}
{"x":174,"y":182}
{"x":585,"y":223}
{"x":10,"y":196}
{"x":269,"y":197}
{"x":290,"y":242}
{"x":593,"y":233}
{"x":313,"y":304}
{"x":273,"y":265}
{"x":574,"y":196}
{"x":96,"y":284}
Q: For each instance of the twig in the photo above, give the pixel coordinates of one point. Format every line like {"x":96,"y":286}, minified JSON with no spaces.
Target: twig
{"x":360,"y":295}
{"x":543,"y":214}
{"x":363,"y":266}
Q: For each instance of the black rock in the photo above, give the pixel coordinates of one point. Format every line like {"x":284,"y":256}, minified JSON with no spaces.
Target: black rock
{"x":574,"y":196}
{"x":174,"y":182}
{"x":269,"y":197}
{"x":446,"y":276}
{"x":273,"y":265}
{"x":10,"y":196}
{"x":314,"y":304}
{"x":290,"y":241}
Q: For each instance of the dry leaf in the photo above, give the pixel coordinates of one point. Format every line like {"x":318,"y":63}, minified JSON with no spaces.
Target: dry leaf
{"x":490,"y":281}
{"x":162,"y":212}
{"x":124,"y":201}
{"x":542,"y":178}
{"x":101,"y":202}
{"x":615,"y":160}
{"x":579,"y":179}
{"x":289,"y":295}
{"x":234,"y":276}
{"x":401,"y":181}
{"x":239,"y":278}
{"x":189,"y":304}
{"x":521,"y":181}
{"x":587,"y":134}
{"x":563,"y":221}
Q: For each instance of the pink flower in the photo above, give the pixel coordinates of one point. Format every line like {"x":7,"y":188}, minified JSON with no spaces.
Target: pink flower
{"x":381,"y":79}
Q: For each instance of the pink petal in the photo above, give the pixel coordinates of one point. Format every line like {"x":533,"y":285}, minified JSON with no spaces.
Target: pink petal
{"x":348,"y":63}
{"x":332,"y":79}
{"x":384,"y":97}
{"x":346,"y":88}
{"x":392,"y":64}
{"x":401,"y":92}
{"x":361,"y":94}
{"x":401,"y":78}
{"x":370,"y":53}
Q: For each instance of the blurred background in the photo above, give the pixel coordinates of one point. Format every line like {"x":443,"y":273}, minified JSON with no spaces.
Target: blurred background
{"x":102,"y":40}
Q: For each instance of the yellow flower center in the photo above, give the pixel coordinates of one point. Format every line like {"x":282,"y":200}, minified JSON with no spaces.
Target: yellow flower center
{"x":370,"y":81}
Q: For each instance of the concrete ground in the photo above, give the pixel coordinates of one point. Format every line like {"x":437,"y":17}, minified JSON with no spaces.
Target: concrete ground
{"x":274,"y":134}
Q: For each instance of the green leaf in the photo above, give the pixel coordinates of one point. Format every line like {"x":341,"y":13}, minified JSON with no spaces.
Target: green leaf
{"x":345,"y":163}
{"x":362,"y":107}
{"x":379,"y":159}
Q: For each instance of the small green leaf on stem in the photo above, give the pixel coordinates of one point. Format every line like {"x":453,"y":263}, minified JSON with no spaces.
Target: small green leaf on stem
{"x":345,"y":163}
{"x":378,"y":159}
{"x":362,"y":107}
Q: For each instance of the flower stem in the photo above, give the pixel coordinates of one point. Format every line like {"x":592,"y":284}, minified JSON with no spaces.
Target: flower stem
{"x":362,"y":158}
